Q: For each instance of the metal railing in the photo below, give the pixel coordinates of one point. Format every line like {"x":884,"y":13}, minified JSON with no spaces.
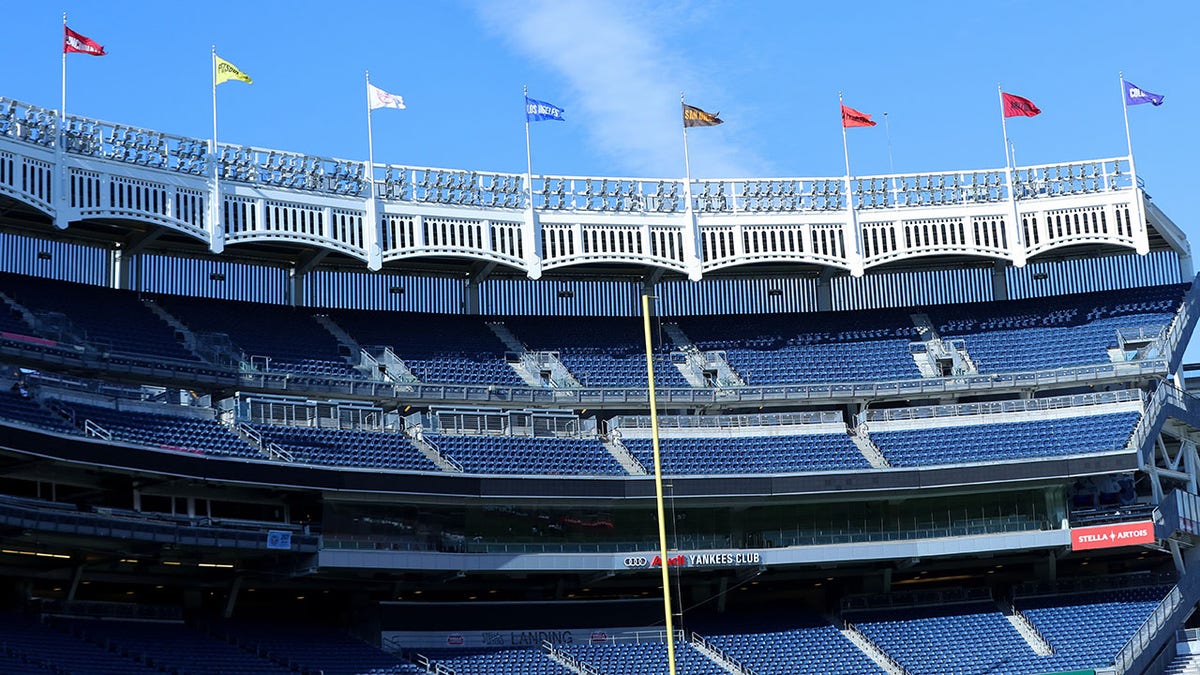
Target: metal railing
{"x":1167,"y":615}
{"x":568,"y":660}
{"x":727,"y":661}
{"x":161,"y":369}
{"x":288,"y":170}
{"x":1005,"y":407}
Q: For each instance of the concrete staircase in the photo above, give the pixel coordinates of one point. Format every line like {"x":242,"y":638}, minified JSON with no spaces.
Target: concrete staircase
{"x":347,"y":341}
{"x":1025,"y":627}
{"x":872,"y":650}
{"x":700,"y":368}
{"x":936,"y":357}
{"x":20,"y":309}
{"x":719,"y":657}
{"x":427,"y":448}
{"x":869,"y":450}
{"x":619,"y":452}
{"x":536,"y":369}
{"x":207,"y":346}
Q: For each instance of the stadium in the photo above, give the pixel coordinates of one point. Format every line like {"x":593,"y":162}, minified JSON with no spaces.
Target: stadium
{"x":267,"y":412}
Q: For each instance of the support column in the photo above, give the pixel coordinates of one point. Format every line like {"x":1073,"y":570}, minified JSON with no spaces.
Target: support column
{"x":231,"y":601}
{"x":825,"y":291}
{"x":650,"y":282}
{"x":479,"y":273}
{"x":1177,"y":557}
{"x":124,"y":273}
{"x":371,"y":234}
{"x":999,"y":280}
{"x":296,"y":276}
{"x":531,"y":243}
{"x":76,"y":576}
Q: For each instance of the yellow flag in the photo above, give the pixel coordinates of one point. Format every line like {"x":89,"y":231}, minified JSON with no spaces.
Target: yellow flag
{"x":227,"y":71}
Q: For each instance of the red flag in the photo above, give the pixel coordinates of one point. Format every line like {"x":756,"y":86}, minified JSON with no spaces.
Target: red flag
{"x":75,"y":43}
{"x":854,"y":118}
{"x":1015,"y":106}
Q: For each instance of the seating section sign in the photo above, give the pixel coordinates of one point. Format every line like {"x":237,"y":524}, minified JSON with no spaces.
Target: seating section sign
{"x":1112,"y":536}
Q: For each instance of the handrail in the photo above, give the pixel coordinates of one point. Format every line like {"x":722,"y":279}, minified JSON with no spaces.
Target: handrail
{"x":729,"y":662}
{"x":433,"y":667}
{"x":569,"y":661}
{"x":92,"y":429}
{"x":995,"y":407}
{"x":1165,"y":614}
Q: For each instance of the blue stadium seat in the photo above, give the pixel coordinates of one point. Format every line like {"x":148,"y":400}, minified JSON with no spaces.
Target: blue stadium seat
{"x":750,"y":454}
{"x":526,"y":455}
{"x":1005,"y":440}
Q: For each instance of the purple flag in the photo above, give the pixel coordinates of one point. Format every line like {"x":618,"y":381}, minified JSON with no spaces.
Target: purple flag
{"x":1135,"y":95}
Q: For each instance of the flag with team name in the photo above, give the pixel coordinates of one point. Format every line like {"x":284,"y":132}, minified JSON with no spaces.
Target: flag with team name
{"x":854,"y":118}
{"x":74,"y":43}
{"x":227,"y":71}
{"x":1135,"y":95}
{"x":540,"y":111}
{"x":695,"y":117}
{"x":1018,"y":106}
{"x":378,"y":98}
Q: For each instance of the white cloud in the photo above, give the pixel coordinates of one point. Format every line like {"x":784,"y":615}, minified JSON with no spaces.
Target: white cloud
{"x":624,"y":82}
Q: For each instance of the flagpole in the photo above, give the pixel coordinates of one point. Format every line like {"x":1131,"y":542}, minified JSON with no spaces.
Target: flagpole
{"x":1140,"y":214}
{"x":1009,"y":174}
{"x":60,"y":152}
{"x":849,"y":189}
{"x":1128,"y":138}
{"x":370,"y":139}
{"x":528,"y":154}
{"x":216,"y":160}
{"x":888,"y":129}
{"x":687,"y":164}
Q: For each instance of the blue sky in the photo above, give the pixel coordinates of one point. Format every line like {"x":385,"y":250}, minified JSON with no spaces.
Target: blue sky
{"x":772,"y":69}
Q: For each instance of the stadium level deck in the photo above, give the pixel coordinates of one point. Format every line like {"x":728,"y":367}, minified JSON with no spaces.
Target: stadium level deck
{"x":32,"y":445}
{"x":140,"y":369}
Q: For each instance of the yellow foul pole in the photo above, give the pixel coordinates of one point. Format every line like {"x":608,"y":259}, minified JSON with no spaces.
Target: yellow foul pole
{"x":658,"y":490}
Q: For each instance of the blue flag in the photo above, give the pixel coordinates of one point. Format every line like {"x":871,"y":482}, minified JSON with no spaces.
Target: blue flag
{"x":539,"y":111}
{"x":1135,"y":95}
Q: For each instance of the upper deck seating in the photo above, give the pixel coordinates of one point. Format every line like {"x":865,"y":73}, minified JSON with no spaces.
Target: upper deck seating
{"x":799,"y":645}
{"x":178,"y":647}
{"x":646,"y":658}
{"x":58,"y":652}
{"x":319,"y":649}
{"x":289,"y":337}
{"x":170,"y":432}
{"x":527,"y":455}
{"x":813,"y":347}
{"x":345,"y":447}
{"x":599,"y":351}
{"x":1088,"y":630}
{"x":969,"y":638}
{"x":108,"y":318}
{"x":13,"y":406}
{"x":1005,"y":440}
{"x":520,"y":661}
{"x":1054,"y":332}
{"x":750,"y":454}
{"x":439,"y":348}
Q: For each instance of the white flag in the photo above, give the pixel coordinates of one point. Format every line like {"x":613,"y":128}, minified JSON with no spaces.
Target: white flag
{"x":378,"y":98}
